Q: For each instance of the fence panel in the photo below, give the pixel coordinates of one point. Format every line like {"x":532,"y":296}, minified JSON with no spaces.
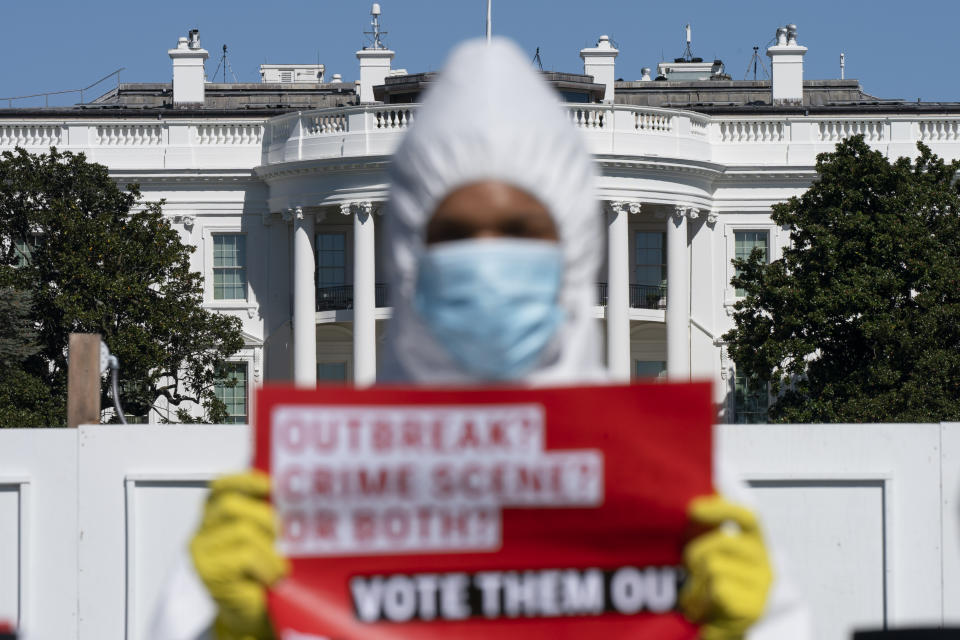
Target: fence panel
{"x":866,"y":515}
{"x":141,"y":493}
{"x":38,"y":530}
{"x":856,"y":509}
{"x":950,"y":515}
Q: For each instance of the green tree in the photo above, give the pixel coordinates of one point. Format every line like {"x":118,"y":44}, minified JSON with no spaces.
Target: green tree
{"x":24,"y":399}
{"x":860,"y":319}
{"x":97,"y":259}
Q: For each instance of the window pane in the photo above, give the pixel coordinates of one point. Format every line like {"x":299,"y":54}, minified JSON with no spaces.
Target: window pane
{"x":231,"y":389}
{"x":650,"y":369}
{"x":751,"y":400}
{"x":331,"y":260}
{"x":744,"y":244}
{"x":332,"y":371}
{"x":650,"y":258}
{"x":229,"y":266}
{"x":23,"y":250}
{"x":648,"y":275}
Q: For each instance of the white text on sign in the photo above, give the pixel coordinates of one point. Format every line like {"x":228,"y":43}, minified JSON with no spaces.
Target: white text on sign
{"x":368,"y":480}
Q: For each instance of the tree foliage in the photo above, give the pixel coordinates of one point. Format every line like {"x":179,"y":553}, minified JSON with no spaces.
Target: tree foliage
{"x":102,"y":261}
{"x":24,"y":398}
{"x":860,"y":319}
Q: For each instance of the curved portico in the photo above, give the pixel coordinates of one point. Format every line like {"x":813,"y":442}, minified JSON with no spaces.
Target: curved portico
{"x":330,"y":164}
{"x":681,"y":191}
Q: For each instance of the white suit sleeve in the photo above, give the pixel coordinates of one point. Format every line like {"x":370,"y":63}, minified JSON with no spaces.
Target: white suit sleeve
{"x":185,"y":610}
{"x":786,"y":616}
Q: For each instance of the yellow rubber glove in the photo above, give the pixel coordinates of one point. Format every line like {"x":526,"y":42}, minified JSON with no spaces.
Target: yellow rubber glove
{"x":234,"y":554}
{"x":728,"y":570}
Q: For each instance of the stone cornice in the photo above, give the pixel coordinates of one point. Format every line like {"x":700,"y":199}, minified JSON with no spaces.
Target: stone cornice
{"x":184,"y":176}
{"x":300,"y":168}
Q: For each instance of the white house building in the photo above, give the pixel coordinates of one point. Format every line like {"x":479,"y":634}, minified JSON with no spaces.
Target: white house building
{"x":280,"y":186}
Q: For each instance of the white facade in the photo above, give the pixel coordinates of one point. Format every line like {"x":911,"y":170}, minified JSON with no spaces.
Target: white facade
{"x":687,"y":182}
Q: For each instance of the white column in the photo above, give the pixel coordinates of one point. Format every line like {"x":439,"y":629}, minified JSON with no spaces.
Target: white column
{"x":678,"y":297}
{"x":364,"y":297}
{"x":304,"y":302}
{"x":618,"y":291}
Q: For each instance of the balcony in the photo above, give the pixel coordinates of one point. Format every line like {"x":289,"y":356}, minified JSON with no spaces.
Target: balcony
{"x":623,"y":130}
{"x":665,"y":135}
{"x":341,"y":297}
{"x":642,"y":296}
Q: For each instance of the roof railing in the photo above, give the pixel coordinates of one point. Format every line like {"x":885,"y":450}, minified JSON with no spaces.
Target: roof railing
{"x":46,"y":96}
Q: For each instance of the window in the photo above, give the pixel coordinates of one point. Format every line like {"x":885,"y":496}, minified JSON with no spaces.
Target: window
{"x":229,"y":266}
{"x":23,"y":250}
{"x":231,"y":389}
{"x":744,"y":243}
{"x":650,"y":369}
{"x":576,"y":97}
{"x":751,"y":400}
{"x":331,"y":371}
{"x":651,"y":263}
{"x":133,"y":393}
{"x":331,"y":260}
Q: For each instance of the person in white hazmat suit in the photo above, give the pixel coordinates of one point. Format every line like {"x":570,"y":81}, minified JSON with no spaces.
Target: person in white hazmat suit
{"x":495,"y":240}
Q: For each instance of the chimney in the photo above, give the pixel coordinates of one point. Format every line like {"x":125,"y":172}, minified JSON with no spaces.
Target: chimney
{"x":374,"y":67}
{"x":786,"y":67}
{"x":374,"y":60}
{"x":599,"y":62}
{"x":188,"y":72}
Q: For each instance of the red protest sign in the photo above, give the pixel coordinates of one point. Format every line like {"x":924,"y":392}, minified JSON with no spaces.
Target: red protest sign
{"x":541,"y":513}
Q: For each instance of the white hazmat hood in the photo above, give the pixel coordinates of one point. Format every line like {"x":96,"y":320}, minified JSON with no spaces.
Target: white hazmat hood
{"x":490,"y":116}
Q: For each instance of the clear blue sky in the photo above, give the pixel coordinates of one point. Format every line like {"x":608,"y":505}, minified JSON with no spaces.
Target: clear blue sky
{"x":896,"y":49}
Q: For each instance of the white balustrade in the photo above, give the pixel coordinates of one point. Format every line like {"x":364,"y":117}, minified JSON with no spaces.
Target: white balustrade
{"x":838,"y":130}
{"x":317,"y":125}
{"x":940,"y":130}
{"x":747,"y":131}
{"x":584,"y":117}
{"x":658,"y":122}
{"x":230,"y":134}
{"x":282,"y":127}
{"x":129,"y":134}
{"x":394,"y":118}
{"x":699,"y":127}
{"x":369,"y":130}
{"x":30,"y":135}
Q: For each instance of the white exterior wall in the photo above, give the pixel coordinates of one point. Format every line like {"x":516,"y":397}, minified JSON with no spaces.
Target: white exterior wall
{"x":250,"y":176}
{"x":93,"y":519}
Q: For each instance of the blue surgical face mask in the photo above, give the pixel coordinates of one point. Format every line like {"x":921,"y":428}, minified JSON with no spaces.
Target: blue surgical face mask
{"x":493,"y":304}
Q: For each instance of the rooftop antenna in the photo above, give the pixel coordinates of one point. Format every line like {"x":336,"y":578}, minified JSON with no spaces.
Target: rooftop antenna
{"x":225,"y":63}
{"x":375,"y":24}
{"x":536,"y":58}
{"x":754,"y":61}
{"x":489,"y":20}
{"x":687,"y":53}
{"x":843,"y":64}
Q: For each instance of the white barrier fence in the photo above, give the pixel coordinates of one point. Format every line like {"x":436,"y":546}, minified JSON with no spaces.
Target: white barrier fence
{"x":92,"y":519}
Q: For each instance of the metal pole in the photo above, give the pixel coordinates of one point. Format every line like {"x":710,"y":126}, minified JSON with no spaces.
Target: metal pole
{"x":489,"y":20}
